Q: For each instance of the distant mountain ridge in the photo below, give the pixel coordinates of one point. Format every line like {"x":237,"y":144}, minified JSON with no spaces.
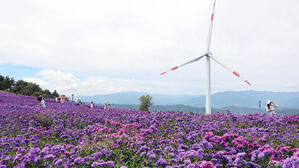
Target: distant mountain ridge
{"x":248,"y":99}
{"x":187,"y":109}
{"x":133,"y":98}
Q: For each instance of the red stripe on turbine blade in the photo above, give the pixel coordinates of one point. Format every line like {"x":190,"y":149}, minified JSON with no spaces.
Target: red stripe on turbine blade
{"x":236,"y":74}
{"x":163,"y":73}
{"x":214,"y":4}
{"x":248,"y":82}
{"x":174,"y":68}
{"x":212,"y":17}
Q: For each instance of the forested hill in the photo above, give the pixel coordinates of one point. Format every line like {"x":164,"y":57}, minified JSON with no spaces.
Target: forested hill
{"x":24,"y":88}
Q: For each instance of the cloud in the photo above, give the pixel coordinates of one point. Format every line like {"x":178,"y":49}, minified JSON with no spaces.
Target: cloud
{"x":60,"y":81}
{"x":40,"y":82}
{"x":58,"y":78}
{"x":67,"y":83}
{"x":133,"y":41}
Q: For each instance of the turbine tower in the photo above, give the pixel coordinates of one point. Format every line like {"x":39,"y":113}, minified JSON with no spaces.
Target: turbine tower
{"x":209,"y":56}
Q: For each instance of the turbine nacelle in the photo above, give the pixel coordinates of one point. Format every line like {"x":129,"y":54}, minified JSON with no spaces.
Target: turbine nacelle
{"x":209,"y":54}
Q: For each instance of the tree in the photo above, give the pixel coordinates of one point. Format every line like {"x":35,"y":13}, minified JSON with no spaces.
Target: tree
{"x":30,"y":89}
{"x":24,"y":88}
{"x":27,"y":88}
{"x":11,"y":83}
{"x":20,"y":84}
{"x":6,"y":83}
{"x":145,"y":103}
{"x":36,"y":94}
{"x":47,"y":93}
{"x":55,"y":94}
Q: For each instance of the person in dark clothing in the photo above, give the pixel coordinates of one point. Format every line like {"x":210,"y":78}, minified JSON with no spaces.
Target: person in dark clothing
{"x":39,"y":98}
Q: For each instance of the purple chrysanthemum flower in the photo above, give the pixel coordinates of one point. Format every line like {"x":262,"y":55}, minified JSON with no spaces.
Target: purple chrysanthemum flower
{"x":49,"y":156}
{"x":37,"y":159}
{"x":206,"y":164}
{"x":171,"y":154}
{"x":108,"y":163}
{"x":161,"y":162}
{"x":192,"y":166}
{"x":187,"y":161}
{"x":196,"y":146}
{"x":95,"y":164}
{"x":34,"y":150}
{"x":97,"y":155}
{"x":261,"y":155}
{"x":79,"y":160}
{"x":107,"y":153}
{"x":143,"y":154}
{"x":152,"y":156}
{"x":199,"y":155}
{"x":182,"y":146}
{"x":291,"y":162}
{"x":57,"y":162}
{"x":241,"y":155}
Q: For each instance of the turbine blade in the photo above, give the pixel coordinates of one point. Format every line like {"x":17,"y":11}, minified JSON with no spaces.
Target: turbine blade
{"x":189,"y":62}
{"x":211,"y":28}
{"x":232,"y":71}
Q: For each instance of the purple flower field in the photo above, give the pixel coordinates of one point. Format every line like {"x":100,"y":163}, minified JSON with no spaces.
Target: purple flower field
{"x":62,"y":135}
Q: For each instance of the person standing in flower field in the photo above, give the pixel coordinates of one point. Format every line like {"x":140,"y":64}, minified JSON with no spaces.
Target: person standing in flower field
{"x":106,"y":105}
{"x":77,"y":102}
{"x":91,"y":105}
{"x":271,"y":105}
{"x":43,"y":102}
{"x":56,"y":100}
{"x":39,"y":99}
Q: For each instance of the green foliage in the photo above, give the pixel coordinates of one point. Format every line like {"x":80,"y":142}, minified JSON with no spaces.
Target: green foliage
{"x":145,"y":103}
{"x":6,"y":83}
{"x":30,"y":89}
{"x":24,"y":88}
{"x":55,"y":94}
{"x":36,"y":94}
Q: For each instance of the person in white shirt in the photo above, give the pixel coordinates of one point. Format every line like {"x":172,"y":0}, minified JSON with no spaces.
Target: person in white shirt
{"x":91,"y":105}
{"x":106,"y":105}
{"x":271,"y":105}
{"x":43,"y":103}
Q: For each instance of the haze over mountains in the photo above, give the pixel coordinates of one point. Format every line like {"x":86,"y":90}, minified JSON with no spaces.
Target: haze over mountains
{"x":187,"y":109}
{"x":248,"y":99}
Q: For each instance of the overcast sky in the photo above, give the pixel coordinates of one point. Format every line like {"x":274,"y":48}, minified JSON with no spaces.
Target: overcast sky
{"x":98,"y":47}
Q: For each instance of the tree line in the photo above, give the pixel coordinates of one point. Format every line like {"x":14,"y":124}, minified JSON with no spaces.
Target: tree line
{"x":24,"y":88}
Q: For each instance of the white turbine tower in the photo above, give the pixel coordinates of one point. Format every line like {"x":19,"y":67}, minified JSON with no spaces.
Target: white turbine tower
{"x":208,"y":56}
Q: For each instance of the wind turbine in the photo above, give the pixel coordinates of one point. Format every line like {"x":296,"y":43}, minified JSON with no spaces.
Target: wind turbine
{"x":208,"y":56}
